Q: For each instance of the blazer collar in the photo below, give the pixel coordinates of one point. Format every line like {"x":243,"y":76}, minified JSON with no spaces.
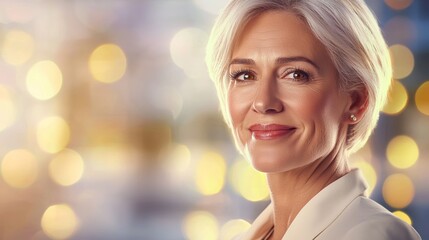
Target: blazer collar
{"x":317,"y":214}
{"x":326,"y":206}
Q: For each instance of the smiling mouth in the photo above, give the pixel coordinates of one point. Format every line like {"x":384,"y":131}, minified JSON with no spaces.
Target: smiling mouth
{"x":271,"y":131}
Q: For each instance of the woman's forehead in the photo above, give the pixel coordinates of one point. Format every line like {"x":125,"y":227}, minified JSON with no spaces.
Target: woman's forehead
{"x":278,"y":33}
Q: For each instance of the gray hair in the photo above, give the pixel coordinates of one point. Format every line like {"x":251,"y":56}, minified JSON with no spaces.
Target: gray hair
{"x":348,"y":30}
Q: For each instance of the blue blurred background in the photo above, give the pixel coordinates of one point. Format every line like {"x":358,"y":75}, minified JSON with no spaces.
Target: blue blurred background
{"x":110,"y":127}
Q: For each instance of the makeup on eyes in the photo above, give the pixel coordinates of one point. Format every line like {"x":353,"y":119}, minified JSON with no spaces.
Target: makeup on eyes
{"x":285,"y":66}
{"x":243,"y":74}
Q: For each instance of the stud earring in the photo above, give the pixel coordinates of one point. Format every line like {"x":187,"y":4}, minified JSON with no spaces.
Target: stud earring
{"x":353,"y":118}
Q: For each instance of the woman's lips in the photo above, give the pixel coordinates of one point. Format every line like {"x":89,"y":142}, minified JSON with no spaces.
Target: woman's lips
{"x":270,"y":131}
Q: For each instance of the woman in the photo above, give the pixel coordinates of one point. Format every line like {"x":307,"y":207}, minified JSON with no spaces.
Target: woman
{"x":301,"y":84}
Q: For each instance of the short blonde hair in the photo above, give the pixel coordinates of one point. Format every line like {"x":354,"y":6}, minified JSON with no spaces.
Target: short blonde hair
{"x":348,"y":30}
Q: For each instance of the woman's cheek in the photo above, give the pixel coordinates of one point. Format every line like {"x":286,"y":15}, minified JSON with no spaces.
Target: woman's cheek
{"x":239,"y":105}
{"x":301,"y":110}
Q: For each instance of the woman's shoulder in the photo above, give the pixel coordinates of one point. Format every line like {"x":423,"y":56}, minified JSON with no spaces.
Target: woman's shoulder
{"x":366,"y":219}
{"x":382,"y":228}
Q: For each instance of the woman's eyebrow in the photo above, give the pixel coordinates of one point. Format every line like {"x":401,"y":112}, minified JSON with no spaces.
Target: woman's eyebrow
{"x":246,"y":61}
{"x":279,"y":61}
{"x":284,"y":60}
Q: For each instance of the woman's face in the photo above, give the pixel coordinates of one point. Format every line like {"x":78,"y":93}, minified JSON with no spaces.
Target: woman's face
{"x":285,"y":104}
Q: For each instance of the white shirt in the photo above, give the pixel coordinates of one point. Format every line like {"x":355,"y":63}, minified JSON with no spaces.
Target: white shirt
{"x":340,"y":211}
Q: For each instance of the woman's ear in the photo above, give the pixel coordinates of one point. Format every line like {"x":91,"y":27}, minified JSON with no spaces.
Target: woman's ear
{"x":358,"y":104}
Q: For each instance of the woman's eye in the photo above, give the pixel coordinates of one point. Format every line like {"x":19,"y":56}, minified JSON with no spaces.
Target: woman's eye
{"x":243,"y":76}
{"x":298,"y":75}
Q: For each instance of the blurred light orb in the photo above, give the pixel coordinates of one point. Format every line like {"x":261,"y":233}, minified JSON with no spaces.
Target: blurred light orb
{"x":368,"y":172}
{"x":107,"y":63}
{"x":249,"y":183}
{"x":44,"y":80}
{"x":18,"y":47}
{"x":19,"y":168}
{"x":210,"y":173}
{"x":211,"y":6}
{"x":397,"y":99}
{"x":398,"y":4}
{"x":7,"y":109}
{"x":53,"y":134}
{"x":59,"y":221}
{"x":179,"y":158}
{"x":66,"y":168}
{"x":398,"y":190}
{"x":201,"y":225}
{"x":402,"y":152}
{"x":233,"y":228}
{"x":403,"y":216}
{"x":402,"y":61}
{"x":187,"y":50}
{"x":422,"y":98}
{"x":108,"y":159}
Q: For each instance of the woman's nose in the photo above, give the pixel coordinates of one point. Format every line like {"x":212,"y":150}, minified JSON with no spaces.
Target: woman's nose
{"x":266,"y":100}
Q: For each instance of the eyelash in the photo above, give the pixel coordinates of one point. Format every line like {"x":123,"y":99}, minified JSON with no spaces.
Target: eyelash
{"x":307,"y":74}
{"x":235,"y":74}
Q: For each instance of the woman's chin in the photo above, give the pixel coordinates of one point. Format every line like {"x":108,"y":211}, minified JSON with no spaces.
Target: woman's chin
{"x":268,"y":160}
{"x":268,"y":165}
{"x":265,"y":168}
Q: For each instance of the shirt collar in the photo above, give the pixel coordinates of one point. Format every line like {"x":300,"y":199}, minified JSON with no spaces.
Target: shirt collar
{"x":318,"y":213}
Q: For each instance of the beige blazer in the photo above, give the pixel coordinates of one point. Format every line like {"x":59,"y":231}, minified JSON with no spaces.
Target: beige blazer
{"x":340,"y":211}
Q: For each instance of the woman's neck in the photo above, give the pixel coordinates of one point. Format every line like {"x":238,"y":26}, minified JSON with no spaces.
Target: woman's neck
{"x":291,"y":190}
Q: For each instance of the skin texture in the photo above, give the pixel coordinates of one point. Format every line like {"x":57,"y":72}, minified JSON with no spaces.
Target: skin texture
{"x":301,"y":91}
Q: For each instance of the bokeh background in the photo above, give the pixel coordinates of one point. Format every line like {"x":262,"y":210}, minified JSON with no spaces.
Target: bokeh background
{"x":110,"y":127}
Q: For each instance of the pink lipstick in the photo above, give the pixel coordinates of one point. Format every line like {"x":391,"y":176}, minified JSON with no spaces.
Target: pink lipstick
{"x":270,"y":131}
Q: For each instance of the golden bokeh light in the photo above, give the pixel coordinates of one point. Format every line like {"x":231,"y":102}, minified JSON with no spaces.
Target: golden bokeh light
{"x":66,"y":168}
{"x":402,"y":61}
{"x":397,"y":99}
{"x":7,"y":109}
{"x":233,"y":228}
{"x":201,"y":225}
{"x":17,"y":48}
{"x":403,"y":216}
{"x":44,"y":80}
{"x":398,"y":4}
{"x":59,"y":221}
{"x":368,"y":172}
{"x":422,"y":98}
{"x":108,"y":63}
{"x":187,"y":50}
{"x":19,"y":168}
{"x":402,"y":152}
{"x":210,"y":173}
{"x":249,"y":183}
{"x":53,"y":134}
{"x":398,"y":190}
{"x":179,"y":158}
